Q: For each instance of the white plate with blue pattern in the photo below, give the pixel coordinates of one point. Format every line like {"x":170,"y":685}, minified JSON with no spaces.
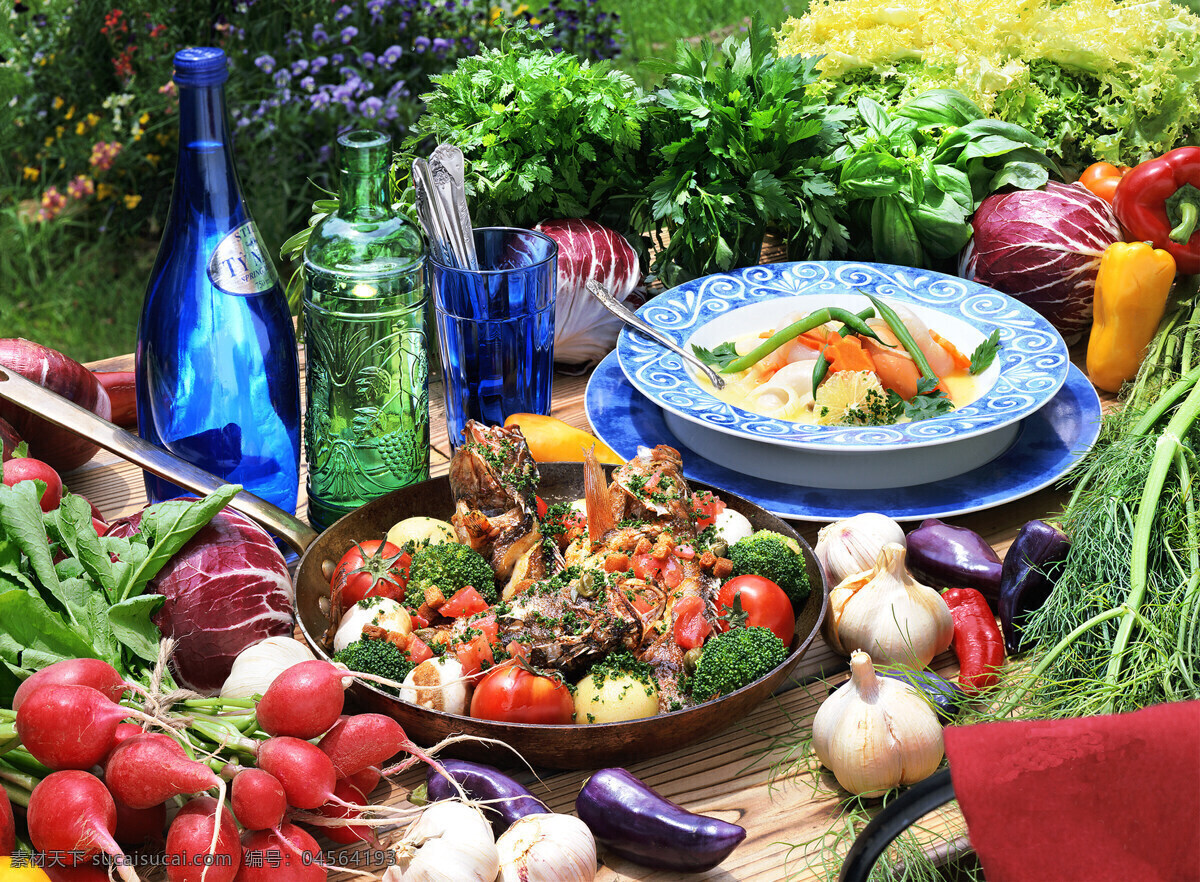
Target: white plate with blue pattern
{"x":1029,"y":370}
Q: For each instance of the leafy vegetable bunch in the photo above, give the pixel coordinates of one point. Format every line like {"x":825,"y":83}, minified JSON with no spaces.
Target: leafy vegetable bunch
{"x":738,"y":144}
{"x":1096,"y":79}
{"x":912,"y":178}
{"x":544,"y":134}
{"x":66,"y":592}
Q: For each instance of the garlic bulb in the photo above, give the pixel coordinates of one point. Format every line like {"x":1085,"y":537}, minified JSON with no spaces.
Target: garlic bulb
{"x":875,"y":733}
{"x":889,"y":615}
{"x":852,"y":545}
{"x":439,"y":683}
{"x":257,"y":666}
{"x":450,"y":842}
{"x":547,"y":848}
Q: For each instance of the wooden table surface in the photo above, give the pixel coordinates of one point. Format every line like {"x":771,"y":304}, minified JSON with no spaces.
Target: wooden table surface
{"x":727,"y":774}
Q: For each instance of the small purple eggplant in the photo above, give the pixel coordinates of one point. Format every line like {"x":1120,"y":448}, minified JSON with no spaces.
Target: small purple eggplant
{"x":946,"y":697}
{"x":631,"y":820}
{"x":945,"y":556}
{"x":504,"y":800}
{"x":1031,"y":567}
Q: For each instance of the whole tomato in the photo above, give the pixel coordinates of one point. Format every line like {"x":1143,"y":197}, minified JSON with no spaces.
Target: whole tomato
{"x":511,"y":692}
{"x":28,"y":469}
{"x":369,"y":569}
{"x":761,"y":601}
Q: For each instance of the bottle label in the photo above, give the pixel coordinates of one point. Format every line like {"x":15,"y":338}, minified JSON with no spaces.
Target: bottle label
{"x":238,"y":265}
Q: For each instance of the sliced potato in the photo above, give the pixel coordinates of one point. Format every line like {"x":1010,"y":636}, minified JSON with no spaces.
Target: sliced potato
{"x":422,"y":530}
{"x":613,"y":697}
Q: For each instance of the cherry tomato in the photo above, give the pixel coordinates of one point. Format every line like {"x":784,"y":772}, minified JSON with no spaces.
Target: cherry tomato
{"x":691,"y":628}
{"x":26,"y":468}
{"x":369,"y":569}
{"x":464,"y":602}
{"x":763,"y":602}
{"x":511,"y":693}
{"x":1102,"y":179}
{"x":706,"y":508}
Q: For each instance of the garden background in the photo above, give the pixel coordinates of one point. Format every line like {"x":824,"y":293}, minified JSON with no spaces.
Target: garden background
{"x":89,"y":139}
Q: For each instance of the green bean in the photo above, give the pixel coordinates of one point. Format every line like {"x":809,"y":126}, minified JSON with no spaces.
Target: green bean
{"x":822,"y":365}
{"x":900,"y":330}
{"x":794,"y":330}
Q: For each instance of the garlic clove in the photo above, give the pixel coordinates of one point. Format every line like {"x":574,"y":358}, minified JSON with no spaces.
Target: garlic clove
{"x":450,"y":842}
{"x":852,"y":545}
{"x":547,"y":848}
{"x":876,"y":733}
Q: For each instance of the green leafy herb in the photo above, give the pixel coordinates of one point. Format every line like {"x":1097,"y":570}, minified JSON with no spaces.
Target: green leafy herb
{"x":736,"y":145}
{"x":929,"y":402}
{"x":985,"y":353}
{"x":722,"y":355}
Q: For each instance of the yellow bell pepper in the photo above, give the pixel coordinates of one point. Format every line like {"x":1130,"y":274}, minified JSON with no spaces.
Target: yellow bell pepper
{"x":552,"y":440}
{"x":1131,"y":298}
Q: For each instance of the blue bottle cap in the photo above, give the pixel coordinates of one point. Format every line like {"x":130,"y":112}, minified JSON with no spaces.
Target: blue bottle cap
{"x":200,"y":66}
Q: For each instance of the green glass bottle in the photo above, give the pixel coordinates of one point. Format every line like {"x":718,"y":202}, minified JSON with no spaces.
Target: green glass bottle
{"x":366,"y":425}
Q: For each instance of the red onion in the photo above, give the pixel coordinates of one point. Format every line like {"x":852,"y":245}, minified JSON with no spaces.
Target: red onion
{"x":60,"y":448}
{"x":9,"y":439}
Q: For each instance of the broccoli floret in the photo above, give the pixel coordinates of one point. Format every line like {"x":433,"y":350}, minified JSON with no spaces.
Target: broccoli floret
{"x":449,"y":566}
{"x":776,"y":557}
{"x":379,"y":657}
{"x":735,"y":659}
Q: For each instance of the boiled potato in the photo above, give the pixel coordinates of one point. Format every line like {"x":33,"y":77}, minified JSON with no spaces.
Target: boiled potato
{"x":610,"y":697}
{"x":422,"y":530}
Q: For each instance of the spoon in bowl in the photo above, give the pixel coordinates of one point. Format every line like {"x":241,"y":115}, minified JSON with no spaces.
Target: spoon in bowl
{"x":627,"y":315}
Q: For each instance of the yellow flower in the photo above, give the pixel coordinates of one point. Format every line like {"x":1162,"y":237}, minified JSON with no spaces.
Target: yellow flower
{"x":93,"y":120}
{"x":494,"y":13}
{"x":58,"y":131}
{"x":524,"y":7}
{"x":80,"y":127}
{"x":31,"y":173}
{"x":58,"y":102}
{"x":535,"y":22}
{"x":162,"y":138}
{"x":49,"y":140}
{"x":132,"y":200}
{"x":144,"y":118}
{"x":153,"y":158}
{"x":103,"y":191}
{"x":70,"y":113}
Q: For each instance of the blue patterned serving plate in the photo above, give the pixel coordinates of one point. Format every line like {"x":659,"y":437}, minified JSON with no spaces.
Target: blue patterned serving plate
{"x":1046,"y":445}
{"x":1029,"y":370}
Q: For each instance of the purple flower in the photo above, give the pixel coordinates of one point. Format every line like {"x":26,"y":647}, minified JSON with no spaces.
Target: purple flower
{"x":325,"y":153}
{"x":441,"y":46}
{"x":299,"y":66}
{"x":349,"y":34}
{"x":282,"y":78}
{"x":397,"y":90}
{"x":367,"y":59}
{"x":391,"y":55}
{"x":421,"y":43}
{"x":320,"y":100}
{"x":292,"y":38}
{"x":265,"y":63}
{"x":308,"y":84}
{"x":375,"y":7}
{"x":343,"y":12}
{"x":337,"y":58}
{"x":370,"y":108}
{"x":317,"y":63}
{"x":318,"y":34}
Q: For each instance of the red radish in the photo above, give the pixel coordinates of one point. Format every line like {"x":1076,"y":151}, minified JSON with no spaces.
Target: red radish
{"x":125,"y":731}
{"x":302,"y":769}
{"x":363,"y":740}
{"x":100,"y":675}
{"x":139,"y":826}
{"x":72,"y":812}
{"x":258,"y":799}
{"x":303,"y":701}
{"x":351,"y":833}
{"x":286,"y":855}
{"x":87,"y":872}
{"x":28,"y":469}
{"x":189,"y":844}
{"x":365,"y":780}
{"x":70,"y":727}
{"x":150,"y":768}
{"x":8,"y":828}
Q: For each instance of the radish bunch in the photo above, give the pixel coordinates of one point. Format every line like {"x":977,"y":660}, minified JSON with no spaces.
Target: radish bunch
{"x":113,"y":780}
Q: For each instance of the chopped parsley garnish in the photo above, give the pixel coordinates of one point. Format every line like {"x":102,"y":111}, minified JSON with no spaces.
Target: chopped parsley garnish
{"x":985,"y":353}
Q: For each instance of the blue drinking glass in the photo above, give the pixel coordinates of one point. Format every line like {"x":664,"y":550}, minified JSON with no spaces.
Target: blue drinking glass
{"x":496,"y":328}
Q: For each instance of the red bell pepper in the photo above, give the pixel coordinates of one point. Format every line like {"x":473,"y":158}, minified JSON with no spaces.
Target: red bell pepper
{"x":1159,"y":202}
{"x":977,"y":640}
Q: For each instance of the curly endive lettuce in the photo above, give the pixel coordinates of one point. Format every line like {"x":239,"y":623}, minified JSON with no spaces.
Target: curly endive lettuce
{"x":1098,"y":79}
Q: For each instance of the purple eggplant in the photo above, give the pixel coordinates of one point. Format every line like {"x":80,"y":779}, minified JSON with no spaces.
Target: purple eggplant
{"x":945,"y":556}
{"x":1031,"y":567}
{"x":946,"y":697}
{"x":504,"y":800}
{"x":631,"y":820}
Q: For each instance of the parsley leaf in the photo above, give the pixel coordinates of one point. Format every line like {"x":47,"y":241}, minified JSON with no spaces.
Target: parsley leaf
{"x":719,"y":357}
{"x":929,"y":401}
{"x":985,"y":353}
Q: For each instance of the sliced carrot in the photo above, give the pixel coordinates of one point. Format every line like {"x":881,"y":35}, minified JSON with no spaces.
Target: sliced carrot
{"x":847,"y":354}
{"x":961,"y":362}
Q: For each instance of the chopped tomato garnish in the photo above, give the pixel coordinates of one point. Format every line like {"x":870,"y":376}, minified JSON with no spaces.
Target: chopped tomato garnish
{"x":691,"y":628}
{"x":418,"y":649}
{"x":464,"y":602}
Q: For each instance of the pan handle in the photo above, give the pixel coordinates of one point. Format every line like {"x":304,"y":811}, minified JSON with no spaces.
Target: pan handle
{"x":60,"y":411}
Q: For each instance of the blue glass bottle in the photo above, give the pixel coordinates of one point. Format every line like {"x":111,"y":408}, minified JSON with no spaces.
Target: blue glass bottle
{"x":217,"y":373}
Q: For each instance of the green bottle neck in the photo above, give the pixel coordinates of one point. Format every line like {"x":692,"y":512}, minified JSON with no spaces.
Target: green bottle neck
{"x":363,"y":187}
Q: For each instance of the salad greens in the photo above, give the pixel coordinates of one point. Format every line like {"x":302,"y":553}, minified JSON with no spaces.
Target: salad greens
{"x":66,"y":592}
{"x":912,"y":177}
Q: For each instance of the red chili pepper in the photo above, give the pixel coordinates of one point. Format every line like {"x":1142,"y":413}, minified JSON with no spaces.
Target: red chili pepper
{"x":1159,"y":202}
{"x":977,"y":639}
